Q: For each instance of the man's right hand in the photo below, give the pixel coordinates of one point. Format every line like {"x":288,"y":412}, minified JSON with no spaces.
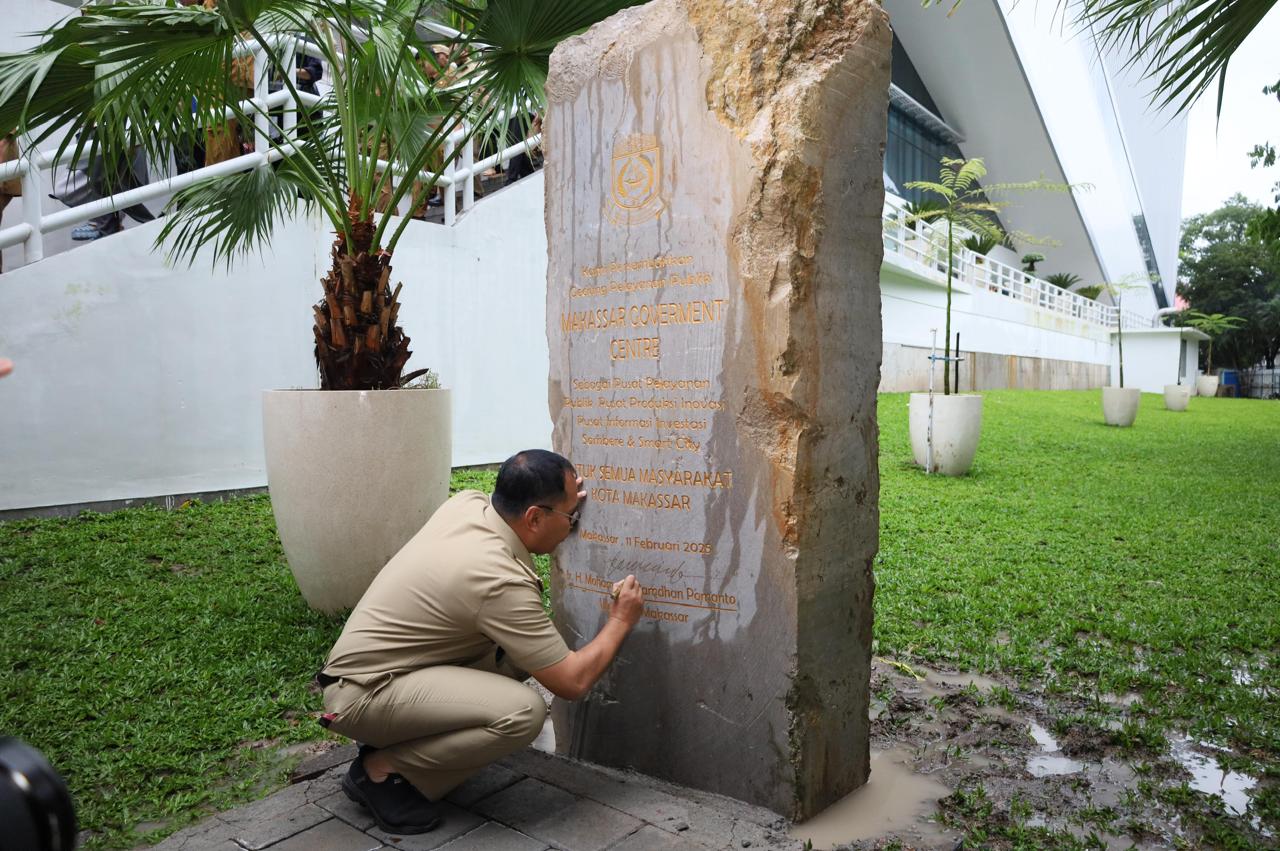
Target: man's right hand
{"x":628,"y":601}
{"x":573,"y":676}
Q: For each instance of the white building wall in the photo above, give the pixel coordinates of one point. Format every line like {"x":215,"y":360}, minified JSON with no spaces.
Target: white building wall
{"x":1069,"y":92}
{"x":1105,"y":135}
{"x":1155,"y":357}
{"x":137,"y":380}
{"x":986,"y":322}
{"x":1156,"y":143}
{"x":132,"y":379}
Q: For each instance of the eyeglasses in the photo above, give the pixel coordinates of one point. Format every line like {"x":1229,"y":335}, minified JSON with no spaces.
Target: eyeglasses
{"x":573,"y":518}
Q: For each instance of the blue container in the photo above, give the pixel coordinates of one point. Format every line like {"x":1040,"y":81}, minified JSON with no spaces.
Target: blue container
{"x":1230,"y":378}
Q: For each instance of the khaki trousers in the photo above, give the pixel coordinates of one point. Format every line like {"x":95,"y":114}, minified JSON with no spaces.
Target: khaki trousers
{"x":440,"y":725}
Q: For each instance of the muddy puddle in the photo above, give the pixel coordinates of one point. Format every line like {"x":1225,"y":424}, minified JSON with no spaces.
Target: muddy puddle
{"x":995,"y":763}
{"x":895,"y":800}
{"x":1050,"y":761}
{"x":1232,"y":787}
{"x":958,"y":755}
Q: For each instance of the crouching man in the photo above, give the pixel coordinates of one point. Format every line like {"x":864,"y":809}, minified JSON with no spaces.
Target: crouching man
{"x":428,"y":672}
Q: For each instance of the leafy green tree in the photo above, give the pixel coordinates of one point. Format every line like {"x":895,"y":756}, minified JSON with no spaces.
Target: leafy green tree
{"x":124,"y":76}
{"x":963,"y":203}
{"x":1264,"y":227}
{"x":1224,"y":272}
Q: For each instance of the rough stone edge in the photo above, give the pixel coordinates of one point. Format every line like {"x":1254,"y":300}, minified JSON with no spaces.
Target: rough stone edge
{"x":771,"y":82}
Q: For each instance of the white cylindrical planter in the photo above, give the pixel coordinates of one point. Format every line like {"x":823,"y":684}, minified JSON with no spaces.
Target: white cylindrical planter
{"x":353,"y":476}
{"x":1206,"y":385}
{"x":957,"y":425}
{"x":1120,"y":405}
{"x":1176,"y":396}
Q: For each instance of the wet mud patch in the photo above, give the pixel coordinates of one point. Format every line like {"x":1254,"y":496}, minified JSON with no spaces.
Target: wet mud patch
{"x":1021,"y":769}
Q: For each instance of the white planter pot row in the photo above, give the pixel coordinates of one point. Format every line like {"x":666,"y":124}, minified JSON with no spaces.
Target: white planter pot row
{"x":1120,"y":405}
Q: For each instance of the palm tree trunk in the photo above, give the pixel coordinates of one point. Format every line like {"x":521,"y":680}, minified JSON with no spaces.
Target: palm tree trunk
{"x":946,"y":341}
{"x":359,"y":346}
{"x":1120,"y":345}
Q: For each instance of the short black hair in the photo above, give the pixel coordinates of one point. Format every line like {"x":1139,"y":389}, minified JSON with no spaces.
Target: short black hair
{"x":531,"y":477}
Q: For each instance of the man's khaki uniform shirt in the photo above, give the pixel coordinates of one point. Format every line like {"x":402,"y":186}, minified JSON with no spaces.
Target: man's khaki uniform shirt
{"x":462,"y":587}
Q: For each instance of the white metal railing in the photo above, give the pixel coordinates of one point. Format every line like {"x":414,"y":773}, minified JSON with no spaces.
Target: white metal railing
{"x":459,"y":173}
{"x":926,"y":244}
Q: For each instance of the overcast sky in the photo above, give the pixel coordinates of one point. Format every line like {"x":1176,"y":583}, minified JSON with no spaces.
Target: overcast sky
{"x":1218,"y":162}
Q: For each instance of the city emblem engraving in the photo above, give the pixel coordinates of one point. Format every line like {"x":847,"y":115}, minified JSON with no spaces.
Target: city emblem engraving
{"x":634,"y":180}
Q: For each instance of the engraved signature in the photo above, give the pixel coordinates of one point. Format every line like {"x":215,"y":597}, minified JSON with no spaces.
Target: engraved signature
{"x":647,"y":569}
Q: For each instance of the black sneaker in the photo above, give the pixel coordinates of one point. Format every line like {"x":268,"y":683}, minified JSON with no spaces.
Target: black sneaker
{"x":395,"y":805}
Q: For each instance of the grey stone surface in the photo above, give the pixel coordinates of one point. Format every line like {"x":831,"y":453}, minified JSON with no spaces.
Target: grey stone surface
{"x":332,"y":835}
{"x":714,"y":236}
{"x":493,"y":778}
{"x":212,"y":835}
{"x":702,"y":817}
{"x":253,"y":826}
{"x":314,"y":766}
{"x":634,"y":796}
{"x":649,"y":838}
{"x":456,"y":822}
{"x":495,"y":837}
{"x":327,"y":783}
{"x":555,"y":802}
{"x":344,"y":808}
{"x":266,"y":822}
{"x":557,"y":817}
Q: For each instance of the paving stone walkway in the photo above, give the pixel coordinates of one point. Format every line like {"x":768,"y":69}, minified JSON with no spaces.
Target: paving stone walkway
{"x":530,"y":801}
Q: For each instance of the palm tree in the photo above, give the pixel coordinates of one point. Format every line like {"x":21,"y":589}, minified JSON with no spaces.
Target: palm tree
{"x":958,"y":199}
{"x":1116,"y":290}
{"x":1182,"y":47}
{"x":120,"y":77}
{"x":1064,"y":280}
{"x":1212,"y":324}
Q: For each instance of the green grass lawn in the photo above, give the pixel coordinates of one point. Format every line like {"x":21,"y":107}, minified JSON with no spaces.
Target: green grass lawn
{"x":1084,"y":561}
{"x":148,"y":650}
{"x":161,"y":659}
{"x":1097,"y":560}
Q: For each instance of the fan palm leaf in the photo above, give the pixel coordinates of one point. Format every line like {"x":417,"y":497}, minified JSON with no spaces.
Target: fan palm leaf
{"x":122,"y":77}
{"x":1182,"y":47}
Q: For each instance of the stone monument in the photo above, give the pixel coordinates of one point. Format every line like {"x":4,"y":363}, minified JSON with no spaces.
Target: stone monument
{"x":714,"y":194}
